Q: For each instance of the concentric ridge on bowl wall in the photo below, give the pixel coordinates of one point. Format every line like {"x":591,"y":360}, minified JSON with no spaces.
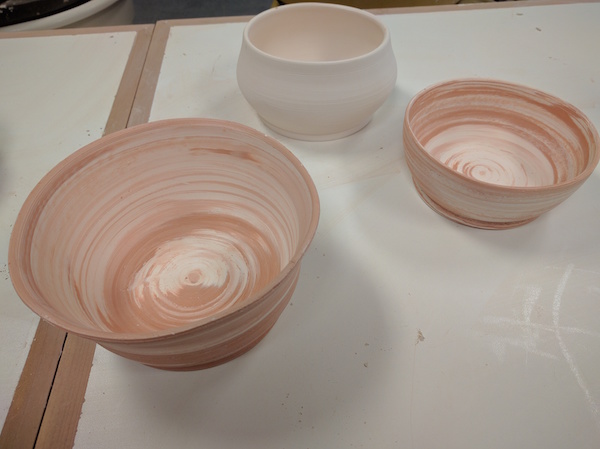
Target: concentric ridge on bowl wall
{"x":316,"y":71}
{"x":176,"y":243}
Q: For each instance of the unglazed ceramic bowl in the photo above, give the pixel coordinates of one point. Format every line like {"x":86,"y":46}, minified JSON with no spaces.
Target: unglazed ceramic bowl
{"x":492,"y":154}
{"x":316,"y":71}
{"x":176,"y":243}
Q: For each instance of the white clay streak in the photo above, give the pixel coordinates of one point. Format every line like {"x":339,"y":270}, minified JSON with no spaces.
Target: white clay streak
{"x":563,"y":347}
{"x":503,"y":321}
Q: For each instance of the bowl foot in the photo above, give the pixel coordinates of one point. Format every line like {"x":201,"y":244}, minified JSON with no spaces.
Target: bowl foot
{"x":211,"y":364}
{"x":316,"y":137}
{"x":493,"y":225}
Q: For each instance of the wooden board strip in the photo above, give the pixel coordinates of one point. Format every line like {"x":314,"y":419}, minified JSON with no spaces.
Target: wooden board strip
{"x":60,"y":421}
{"x":29,"y":401}
{"x":142,"y":104}
{"x":47,"y":402}
{"x":122,"y":106}
{"x":59,"y":424}
{"x":145,"y":95}
{"x":74,"y":31}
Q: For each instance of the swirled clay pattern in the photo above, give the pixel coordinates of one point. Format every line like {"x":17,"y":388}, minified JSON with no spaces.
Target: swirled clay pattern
{"x":181,"y":211}
{"x":147,"y":233}
{"x":492,"y":154}
{"x":198,"y":266}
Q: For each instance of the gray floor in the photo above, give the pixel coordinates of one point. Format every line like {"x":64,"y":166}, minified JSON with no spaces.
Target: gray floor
{"x":150,"y":11}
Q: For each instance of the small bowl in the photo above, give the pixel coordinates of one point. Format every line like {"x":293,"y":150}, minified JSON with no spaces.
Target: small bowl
{"x":175,"y":243}
{"x":494,"y":155}
{"x":316,"y":71}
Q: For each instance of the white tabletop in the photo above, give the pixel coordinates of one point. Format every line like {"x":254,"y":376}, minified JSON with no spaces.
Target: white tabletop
{"x":56,"y":94}
{"x":406,"y":329}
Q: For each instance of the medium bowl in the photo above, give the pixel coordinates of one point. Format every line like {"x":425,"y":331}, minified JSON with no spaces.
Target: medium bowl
{"x":316,"y":71}
{"x":494,"y":155}
{"x":175,"y":243}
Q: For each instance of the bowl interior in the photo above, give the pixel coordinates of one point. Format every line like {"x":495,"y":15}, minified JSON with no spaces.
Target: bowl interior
{"x":503,"y":134}
{"x":315,"y":32}
{"x":160,"y":227}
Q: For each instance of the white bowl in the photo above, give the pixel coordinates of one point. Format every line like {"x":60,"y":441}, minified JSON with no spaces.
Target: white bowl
{"x":316,"y":71}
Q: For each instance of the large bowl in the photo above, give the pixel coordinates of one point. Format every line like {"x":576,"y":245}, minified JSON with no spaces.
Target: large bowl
{"x":175,"y":243}
{"x":494,"y":155}
{"x":316,"y":71}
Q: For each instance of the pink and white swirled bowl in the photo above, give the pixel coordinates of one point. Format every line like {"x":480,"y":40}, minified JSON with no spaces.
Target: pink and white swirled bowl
{"x":176,"y":243}
{"x":494,"y":155}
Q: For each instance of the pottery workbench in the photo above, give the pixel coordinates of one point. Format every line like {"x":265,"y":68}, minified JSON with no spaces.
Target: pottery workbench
{"x":405,"y":330}
{"x":59,"y":90}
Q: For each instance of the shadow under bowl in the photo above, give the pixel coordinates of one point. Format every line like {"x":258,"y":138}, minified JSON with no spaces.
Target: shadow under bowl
{"x":175,"y":243}
{"x":495,"y":155}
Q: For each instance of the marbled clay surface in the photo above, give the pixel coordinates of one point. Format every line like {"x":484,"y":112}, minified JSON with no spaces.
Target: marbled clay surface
{"x":492,"y":154}
{"x":159,"y":230}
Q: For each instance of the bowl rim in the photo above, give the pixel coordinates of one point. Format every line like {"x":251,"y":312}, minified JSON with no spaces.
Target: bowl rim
{"x":40,"y":194}
{"x":496,"y":83}
{"x":385,"y":41}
